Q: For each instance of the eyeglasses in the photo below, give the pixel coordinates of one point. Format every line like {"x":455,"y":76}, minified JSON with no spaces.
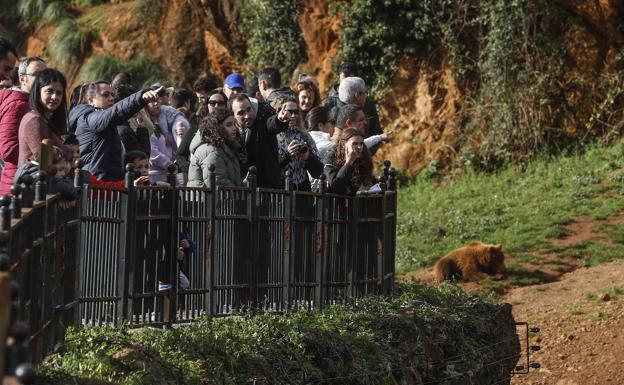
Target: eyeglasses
{"x":34,"y":74}
{"x":216,"y":103}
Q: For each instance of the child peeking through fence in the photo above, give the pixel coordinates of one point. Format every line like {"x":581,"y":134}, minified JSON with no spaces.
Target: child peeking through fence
{"x":185,"y":250}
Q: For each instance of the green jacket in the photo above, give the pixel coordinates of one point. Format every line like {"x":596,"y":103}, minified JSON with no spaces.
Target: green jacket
{"x":227,"y":166}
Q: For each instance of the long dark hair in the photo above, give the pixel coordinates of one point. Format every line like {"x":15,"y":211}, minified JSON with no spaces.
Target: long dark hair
{"x":363,"y":166}
{"x":316,"y":115}
{"x":58,"y":121}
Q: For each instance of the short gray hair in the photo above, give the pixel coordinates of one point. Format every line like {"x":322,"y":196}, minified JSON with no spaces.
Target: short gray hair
{"x":349,"y":87}
{"x":23,"y":66}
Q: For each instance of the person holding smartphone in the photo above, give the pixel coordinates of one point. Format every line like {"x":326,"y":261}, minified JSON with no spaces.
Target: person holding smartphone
{"x":349,"y":167}
{"x":297,"y":151}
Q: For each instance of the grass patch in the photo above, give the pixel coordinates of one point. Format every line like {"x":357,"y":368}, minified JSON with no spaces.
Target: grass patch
{"x":368,"y":344}
{"x":519,"y":209}
{"x":599,"y":252}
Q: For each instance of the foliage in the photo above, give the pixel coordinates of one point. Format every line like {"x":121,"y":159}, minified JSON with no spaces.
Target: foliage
{"x":521,"y":209}
{"x":104,"y":66}
{"x":43,"y":10}
{"x":273,"y":35}
{"x":509,"y":60}
{"x":380,"y":341}
{"x":68,"y":44}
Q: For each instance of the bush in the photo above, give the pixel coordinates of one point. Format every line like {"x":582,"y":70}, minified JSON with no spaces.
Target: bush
{"x":406,"y":339}
{"x":68,"y":44}
{"x":104,"y":66}
{"x":274,"y":36}
{"x":509,"y":60}
{"x":43,"y":10}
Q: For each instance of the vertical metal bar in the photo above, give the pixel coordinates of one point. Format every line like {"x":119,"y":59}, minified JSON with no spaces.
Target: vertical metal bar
{"x":288,"y":231}
{"x":173,"y":248}
{"x":353,"y":257}
{"x":210,"y":306}
{"x":321,"y":249}
{"x":253,"y":254}
{"x":125,"y":250}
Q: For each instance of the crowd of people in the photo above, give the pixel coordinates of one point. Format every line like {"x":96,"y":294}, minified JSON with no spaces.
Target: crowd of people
{"x":228,"y":127}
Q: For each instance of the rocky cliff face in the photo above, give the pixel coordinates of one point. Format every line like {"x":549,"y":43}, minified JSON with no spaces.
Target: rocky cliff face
{"x":423,"y":101}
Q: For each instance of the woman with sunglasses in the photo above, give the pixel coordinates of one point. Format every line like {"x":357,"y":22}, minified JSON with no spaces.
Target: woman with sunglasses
{"x":47,"y":118}
{"x":296,"y":149}
{"x":215,"y":104}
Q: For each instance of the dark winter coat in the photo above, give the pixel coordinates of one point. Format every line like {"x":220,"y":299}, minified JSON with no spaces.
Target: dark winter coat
{"x":100,"y":144}
{"x":261,"y":145}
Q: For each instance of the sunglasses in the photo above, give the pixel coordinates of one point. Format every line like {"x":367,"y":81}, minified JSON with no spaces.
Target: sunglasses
{"x":216,"y":103}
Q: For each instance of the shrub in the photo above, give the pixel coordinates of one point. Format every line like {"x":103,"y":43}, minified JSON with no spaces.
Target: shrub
{"x":68,"y":44}
{"x":274,"y":36}
{"x":43,"y":10}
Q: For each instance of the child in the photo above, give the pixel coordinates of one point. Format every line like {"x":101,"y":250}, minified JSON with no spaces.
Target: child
{"x":186,"y":249}
{"x":59,"y":169}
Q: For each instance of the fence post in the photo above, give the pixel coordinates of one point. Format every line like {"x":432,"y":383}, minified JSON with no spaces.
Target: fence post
{"x":78,"y":174}
{"x":28,"y":195}
{"x":210,"y":263}
{"x":125,"y":265}
{"x":40,"y":186}
{"x":16,"y":204}
{"x":392,"y":186}
{"x":288,"y":232}
{"x":352,"y":258}
{"x":5,"y":214}
{"x":252,"y":264}
{"x":321,"y":249}
{"x":172,"y":294}
{"x":381,"y":254}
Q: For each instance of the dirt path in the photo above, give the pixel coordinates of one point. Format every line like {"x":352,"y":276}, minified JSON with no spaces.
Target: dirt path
{"x":581,"y":318}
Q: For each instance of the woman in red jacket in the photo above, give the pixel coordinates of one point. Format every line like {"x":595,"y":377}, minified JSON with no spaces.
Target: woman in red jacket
{"x":47,"y":118}
{"x":13,"y":106}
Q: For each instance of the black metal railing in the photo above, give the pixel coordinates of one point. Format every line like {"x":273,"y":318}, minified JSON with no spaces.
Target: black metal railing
{"x":100,"y":262}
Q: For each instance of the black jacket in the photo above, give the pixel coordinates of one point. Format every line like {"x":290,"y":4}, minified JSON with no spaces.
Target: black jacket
{"x":261,"y":146}
{"x":332,"y":103}
{"x":134,"y":140}
{"x":183,"y":153}
{"x":96,"y":130}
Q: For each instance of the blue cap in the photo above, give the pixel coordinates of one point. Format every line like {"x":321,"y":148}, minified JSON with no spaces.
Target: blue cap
{"x":235,"y":80}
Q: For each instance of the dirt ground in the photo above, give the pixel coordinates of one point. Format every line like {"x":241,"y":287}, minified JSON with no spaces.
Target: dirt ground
{"x":580,"y":315}
{"x":581,"y":318}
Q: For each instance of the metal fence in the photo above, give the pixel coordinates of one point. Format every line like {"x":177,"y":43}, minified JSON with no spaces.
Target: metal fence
{"x":100,"y":262}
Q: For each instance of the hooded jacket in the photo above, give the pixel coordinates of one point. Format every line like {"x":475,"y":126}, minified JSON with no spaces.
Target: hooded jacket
{"x":227,"y":166}
{"x":96,"y":130}
{"x":13,"y":107}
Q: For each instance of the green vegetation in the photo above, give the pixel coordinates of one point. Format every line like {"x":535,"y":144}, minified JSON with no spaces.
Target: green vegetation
{"x":382,"y":341}
{"x":273,"y":35}
{"x":104,"y":66}
{"x":520,"y":209}
{"x":510,"y":60}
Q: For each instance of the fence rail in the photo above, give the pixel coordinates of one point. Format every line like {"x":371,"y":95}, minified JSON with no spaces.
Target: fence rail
{"x":100,"y":262}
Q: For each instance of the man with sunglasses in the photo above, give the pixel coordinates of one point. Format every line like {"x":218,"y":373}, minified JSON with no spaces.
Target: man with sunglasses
{"x":13,"y":106}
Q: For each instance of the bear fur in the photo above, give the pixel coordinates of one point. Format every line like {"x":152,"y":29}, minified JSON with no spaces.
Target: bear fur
{"x":473,"y":262}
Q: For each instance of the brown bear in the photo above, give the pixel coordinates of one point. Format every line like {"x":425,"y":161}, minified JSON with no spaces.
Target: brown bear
{"x":471,"y":263}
